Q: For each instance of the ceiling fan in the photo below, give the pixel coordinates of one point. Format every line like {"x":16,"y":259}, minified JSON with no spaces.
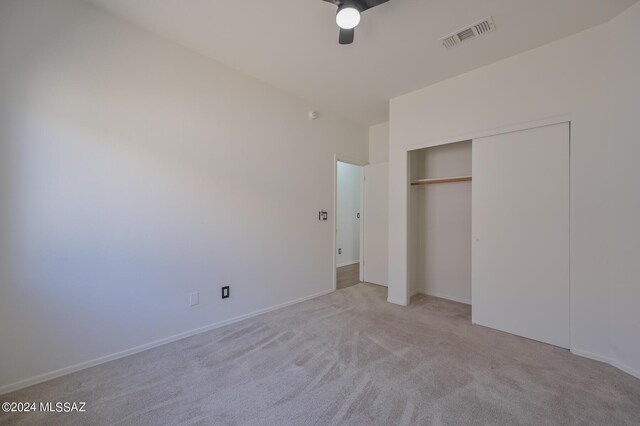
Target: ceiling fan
{"x":348,"y":16}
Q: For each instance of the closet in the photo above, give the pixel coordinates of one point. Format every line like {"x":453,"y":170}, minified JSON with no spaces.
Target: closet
{"x":489,"y":225}
{"x":441,"y":219}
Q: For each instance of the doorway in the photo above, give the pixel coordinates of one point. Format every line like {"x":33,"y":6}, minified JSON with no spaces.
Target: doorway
{"x":348,"y":224}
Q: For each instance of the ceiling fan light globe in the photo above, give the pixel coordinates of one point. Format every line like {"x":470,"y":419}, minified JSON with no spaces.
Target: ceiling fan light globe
{"x":348,"y":18}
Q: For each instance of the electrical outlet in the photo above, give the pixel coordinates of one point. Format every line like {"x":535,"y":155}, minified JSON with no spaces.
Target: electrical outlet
{"x":194,"y":299}
{"x":339,"y":251}
{"x":225,"y":292}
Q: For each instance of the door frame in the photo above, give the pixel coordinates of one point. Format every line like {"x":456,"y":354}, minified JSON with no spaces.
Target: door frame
{"x":557,"y":119}
{"x":360,"y":164}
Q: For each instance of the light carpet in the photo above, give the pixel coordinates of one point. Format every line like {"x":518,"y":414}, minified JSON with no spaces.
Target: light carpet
{"x":347,"y":358}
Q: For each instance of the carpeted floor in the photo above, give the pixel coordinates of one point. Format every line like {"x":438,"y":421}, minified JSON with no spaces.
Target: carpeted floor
{"x":346,"y":358}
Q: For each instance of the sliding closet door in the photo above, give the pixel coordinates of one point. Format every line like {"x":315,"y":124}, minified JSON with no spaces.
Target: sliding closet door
{"x":376,"y":206}
{"x":520,"y":226}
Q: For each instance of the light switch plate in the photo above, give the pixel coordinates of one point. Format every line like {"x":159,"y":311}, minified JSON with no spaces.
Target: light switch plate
{"x":194,"y":299}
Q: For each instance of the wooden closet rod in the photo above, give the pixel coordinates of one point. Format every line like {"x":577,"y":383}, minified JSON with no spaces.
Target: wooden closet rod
{"x":441,"y":180}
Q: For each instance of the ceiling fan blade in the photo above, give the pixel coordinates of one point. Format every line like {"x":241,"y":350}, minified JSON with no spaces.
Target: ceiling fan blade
{"x":346,"y":36}
{"x":368,"y":4}
{"x":361,"y":5}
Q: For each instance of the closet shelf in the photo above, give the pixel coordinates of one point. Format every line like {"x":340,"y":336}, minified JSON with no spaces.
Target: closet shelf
{"x":441,"y":180}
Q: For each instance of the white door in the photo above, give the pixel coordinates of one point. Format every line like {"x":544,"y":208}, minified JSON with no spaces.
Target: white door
{"x":520,"y":226}
{"x":376,"y":227}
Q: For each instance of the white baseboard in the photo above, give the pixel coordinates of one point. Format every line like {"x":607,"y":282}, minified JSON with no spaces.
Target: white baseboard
{"x":375,"y":283}
{"x":591,"y":355}
{"x":87,"y":364}
{"x":606,"y":360}
{"x":448,"y":297}
{"x":351,"y":262}
{"x":396,"y":302}
{"x":101,"y":360}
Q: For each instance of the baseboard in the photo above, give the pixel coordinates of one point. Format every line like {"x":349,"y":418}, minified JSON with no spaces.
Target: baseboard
{"x":606,"y":360}
{"x":353,"y":262}
{"x":375,"y":283}
{"x":620,"y":366}
{"x":590,"y":355}
{"x":446,"y":296}
{"x":396,"y":302}
{"x":101,"y":360}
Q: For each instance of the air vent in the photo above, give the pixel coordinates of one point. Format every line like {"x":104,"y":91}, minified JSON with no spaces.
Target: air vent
{"x":472,"y":31}
{"x":484,"y":26}
{"x":449,"y":41}
{"x":468,"y":33}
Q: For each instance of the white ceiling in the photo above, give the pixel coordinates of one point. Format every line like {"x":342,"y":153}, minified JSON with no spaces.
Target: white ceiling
{"x":293,"y":44}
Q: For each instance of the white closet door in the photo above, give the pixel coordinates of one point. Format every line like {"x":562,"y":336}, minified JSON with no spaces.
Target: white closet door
{"x":520,"y":226}
{"x":376,"y":227}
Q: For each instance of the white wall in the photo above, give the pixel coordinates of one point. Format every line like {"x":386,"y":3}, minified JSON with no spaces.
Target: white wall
{"x":379,"y":143}
{"x":441,"y":225}
{"x":347,"y":222}
{"x":134,"y":172}
{"x":623,"y":188}
{"x":593,"y":77}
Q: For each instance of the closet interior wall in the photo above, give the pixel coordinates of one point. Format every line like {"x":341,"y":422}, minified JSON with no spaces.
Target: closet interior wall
{"x":440,"y":223}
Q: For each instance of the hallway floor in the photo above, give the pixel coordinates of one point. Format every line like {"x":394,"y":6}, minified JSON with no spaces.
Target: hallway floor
{"x":346,"y":276}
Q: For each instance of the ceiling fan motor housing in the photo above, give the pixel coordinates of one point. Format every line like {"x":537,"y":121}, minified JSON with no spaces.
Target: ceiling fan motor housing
{"x":347,"y":27}
{"x":360,"y":5}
